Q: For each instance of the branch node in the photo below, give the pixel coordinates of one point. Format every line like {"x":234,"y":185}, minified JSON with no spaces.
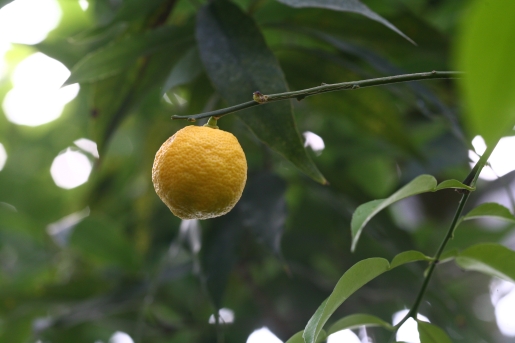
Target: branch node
{"x":259,"y":97}
{"x":192,"y":120}
{"x":300,"y":97}
{"x":433,"y":72}
{"x":355,"y":86}
{"x":323,"y":84}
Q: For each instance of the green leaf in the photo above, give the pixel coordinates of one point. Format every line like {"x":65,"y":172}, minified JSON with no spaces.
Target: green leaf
{"x":354,"y":6}
{"x":490,"y":210}
{"x":365,"y":212}
{"x":114,"y":58}
{"x":185,"y":71}
{"x":430,"y":333}
{"x":238,"y":62}
{"x":452,"y":184}
{"x":219,"y":254}
{"x":408,"y":257}
{"x":102,"y":241}
{"x":297,"y":338}
{"x":489,"y":258}
{"x":421,"y":184}
{"x":357,"y":320}
{"x":485,"y":53}
{"x":353,"y":279}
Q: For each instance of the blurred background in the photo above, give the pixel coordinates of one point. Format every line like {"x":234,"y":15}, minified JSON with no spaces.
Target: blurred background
{"x":88,"y":252}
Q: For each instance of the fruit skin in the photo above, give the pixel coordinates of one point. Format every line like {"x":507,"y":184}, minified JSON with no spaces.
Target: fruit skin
{"x":200,"y":172}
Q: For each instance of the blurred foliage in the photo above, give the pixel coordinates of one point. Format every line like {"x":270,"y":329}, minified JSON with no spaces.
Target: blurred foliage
{"x":129,"y":265}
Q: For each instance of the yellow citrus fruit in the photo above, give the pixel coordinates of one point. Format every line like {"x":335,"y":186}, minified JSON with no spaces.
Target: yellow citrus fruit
{"x":200,"y":172}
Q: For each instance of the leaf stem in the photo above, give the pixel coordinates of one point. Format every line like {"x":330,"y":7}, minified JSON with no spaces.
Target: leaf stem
{"x":260,"y":99}
{"x":471,"y":181}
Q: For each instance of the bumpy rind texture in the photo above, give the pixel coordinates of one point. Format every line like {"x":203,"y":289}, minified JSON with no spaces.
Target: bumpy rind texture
{"x":200,"y":172}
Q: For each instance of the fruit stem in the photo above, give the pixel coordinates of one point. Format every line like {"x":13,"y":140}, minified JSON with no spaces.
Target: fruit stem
{"x":212,"y":123}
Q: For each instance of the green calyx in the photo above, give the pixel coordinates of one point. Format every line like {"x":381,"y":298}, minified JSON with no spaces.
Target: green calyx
{"x":212,"y":123}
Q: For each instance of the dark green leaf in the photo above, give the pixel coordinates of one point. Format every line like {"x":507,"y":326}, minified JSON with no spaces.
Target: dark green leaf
{"x":134,"y":9}
{"x":297,"y":338}
{"x":120,"y":55}
{"x":489,"y":258}
{"x":357,"y":320}
{"x":238,"y":62}
{"x":219,"y":254}
{"x":185,"y":71}
{"x":353,"y":279}
{"x":486,"y":53}
{"x":490,"y":210}
{"x":421,"y":184}
{"x":98,"y":34}
{"x":354,"y":6}
{"x":263,"y":208}
{"x":408,"y":257}
{"x":430,"y":333}
{"x":101,"y":240}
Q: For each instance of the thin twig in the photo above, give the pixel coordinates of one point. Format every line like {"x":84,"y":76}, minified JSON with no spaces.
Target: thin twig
{"x":469,"y":180}
{"x":260,"y":99}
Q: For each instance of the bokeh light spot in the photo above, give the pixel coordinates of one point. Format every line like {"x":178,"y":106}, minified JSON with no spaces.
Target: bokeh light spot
{"x":3,"y":156}
{"x":29,"y":21}
{"x":263,"y":335}
{"x":501,"y":161}
{"x":88,"y":146}
{"x":36,"y":98}
{"x":344,"y":336}
{"x":84,"y":4}
{"x":70,"y":169}
{"x":225,"y":316}
{"x":408,"y":332}
{"x":502,"y":294}
{"x":120,"y":337}
{"x":314,"y":141}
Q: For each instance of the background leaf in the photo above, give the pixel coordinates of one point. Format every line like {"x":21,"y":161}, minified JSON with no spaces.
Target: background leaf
{"x":118,"y":56}
{"x":430,"y":333}
{"x":357,"y":320}
{"x":263,"y":208}
{"x":185,"y":70}
{"x":489,"y":258}
{"x":485,"y":53}
{"x":490,"y":210}
{"x":354,"y":6}
{"x":238,"y":62}
{"x":102,"y":241}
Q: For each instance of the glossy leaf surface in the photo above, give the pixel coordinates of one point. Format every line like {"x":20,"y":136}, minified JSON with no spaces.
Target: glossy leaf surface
{"x":354,"y":6}
{"x":238,"y":62}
